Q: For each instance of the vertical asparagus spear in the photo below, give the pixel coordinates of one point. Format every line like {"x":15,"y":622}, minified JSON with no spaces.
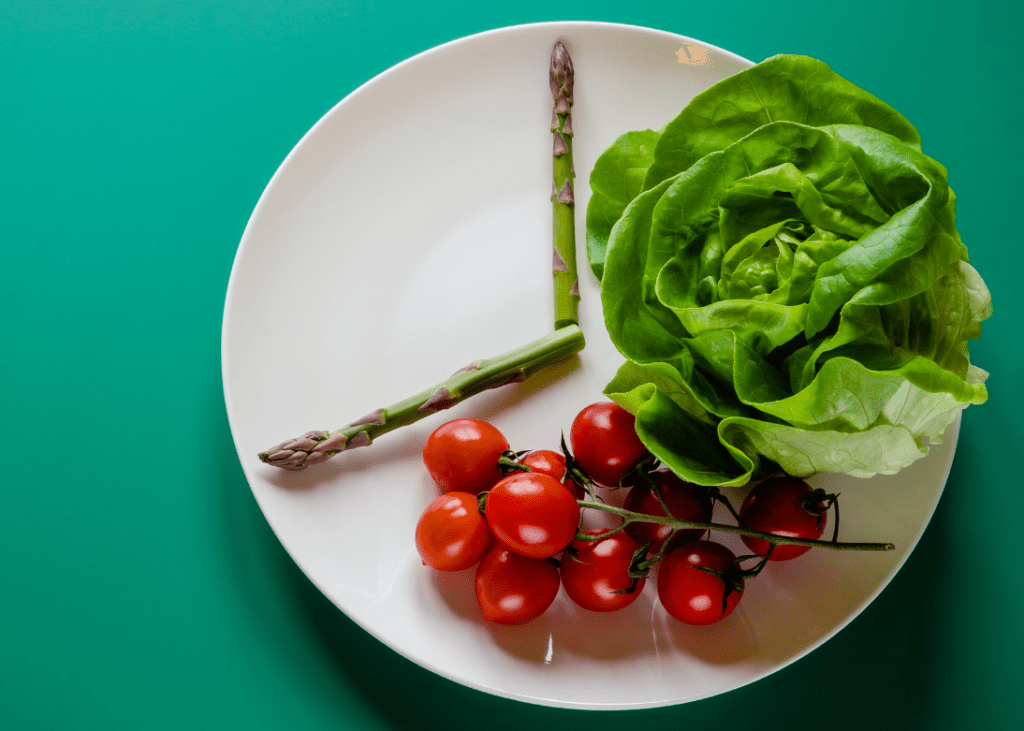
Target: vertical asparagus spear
{"x":567,"y":291}
{"x":512,"y":367}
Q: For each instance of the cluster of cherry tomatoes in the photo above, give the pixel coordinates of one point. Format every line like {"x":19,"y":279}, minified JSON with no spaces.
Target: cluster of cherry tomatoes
{"x":516,"y":517}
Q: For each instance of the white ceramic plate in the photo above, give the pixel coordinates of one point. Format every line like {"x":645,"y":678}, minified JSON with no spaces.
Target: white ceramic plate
{"x":408,"y":234}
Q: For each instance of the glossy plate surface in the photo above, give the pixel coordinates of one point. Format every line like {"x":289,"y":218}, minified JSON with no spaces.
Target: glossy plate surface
{"x":408,"y":234}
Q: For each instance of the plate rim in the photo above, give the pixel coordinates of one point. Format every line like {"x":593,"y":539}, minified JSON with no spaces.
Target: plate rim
{"x":423,"y":661}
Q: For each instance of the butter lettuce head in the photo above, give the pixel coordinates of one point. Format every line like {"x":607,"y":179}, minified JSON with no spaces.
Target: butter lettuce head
{"x":780,"y":268}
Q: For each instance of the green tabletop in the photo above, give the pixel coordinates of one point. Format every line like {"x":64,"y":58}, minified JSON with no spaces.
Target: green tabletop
{"x":141,"y":587}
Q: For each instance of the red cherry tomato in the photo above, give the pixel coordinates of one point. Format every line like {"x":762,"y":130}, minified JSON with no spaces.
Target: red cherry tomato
{"x":598,"y":575}
{"x":533,"y":514}
{"x":550,"y":463}
{"x":604,"y":442}
{"x":513,"y":589}
{"x":452,"y":534}
{"x":694,"y":596}
{"x":784,"y":506}
{"x":463,"y":455}
{"x":685,"y":501}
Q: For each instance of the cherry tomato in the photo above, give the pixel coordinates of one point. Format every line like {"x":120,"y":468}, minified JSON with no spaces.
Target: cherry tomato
{"x":694,"y":596}
{"x":784,"y":506}
{"x":599,"y":573}
{"x":685,"y":501}
{"x":604,"y":442}
{"x":552,"y":464}
{"x":533,"y":514}
{"x":463,"y":455}
{"x":452,"y":534}
{"x":513,"y":589}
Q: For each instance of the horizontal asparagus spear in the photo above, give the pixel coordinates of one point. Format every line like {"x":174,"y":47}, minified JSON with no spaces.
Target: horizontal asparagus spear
{"x":512,"y":367}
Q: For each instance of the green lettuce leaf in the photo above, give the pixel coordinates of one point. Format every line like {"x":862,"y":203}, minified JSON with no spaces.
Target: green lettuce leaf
{"x":617,"y":178}
{"x":787,"y":285}
{"x":782,"y":88}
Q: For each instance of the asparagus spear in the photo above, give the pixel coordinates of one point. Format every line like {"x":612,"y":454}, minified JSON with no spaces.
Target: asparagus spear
{"x":567,"y":292}
{"x":512,"y":367}
{"x":515,"y":366}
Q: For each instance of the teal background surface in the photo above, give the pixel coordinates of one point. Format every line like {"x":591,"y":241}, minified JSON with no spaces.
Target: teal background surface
{"x":141,"y":588}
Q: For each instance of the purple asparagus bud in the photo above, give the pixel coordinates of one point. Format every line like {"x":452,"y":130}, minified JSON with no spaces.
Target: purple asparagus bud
{"x":310,"y":448}
{"x":561,"y":76}
{"x":558,"y":263}
{"x":441,"y":400}
{"x":565,"y":195}
{"x":558,"y":146}
{"x":376,"y":418}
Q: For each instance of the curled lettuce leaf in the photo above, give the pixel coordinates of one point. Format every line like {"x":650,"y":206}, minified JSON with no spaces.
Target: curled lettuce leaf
{"x":786,"y":283}
{"x":617,"y":178}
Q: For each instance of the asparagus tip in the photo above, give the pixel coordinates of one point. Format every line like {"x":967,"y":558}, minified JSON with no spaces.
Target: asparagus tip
{"x":310,"y":448}
{"x":561,"y":73}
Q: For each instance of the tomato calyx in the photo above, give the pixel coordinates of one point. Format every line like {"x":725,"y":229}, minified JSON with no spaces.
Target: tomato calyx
{"x":732,"y":581}
{"x":633,"y":572}
{"x":640,"y":473}
{"x":712,"y":492}
{"x":756,"y":568}
{"x":817,"y":503}
{"x":640,"y":566}
{"x":629,"y":589}
{"x":574,"y":472}
{"x":547,"y":462}
{"x":735,"y":576}
{"x":716,"y":496}
{"x":508,"y":462}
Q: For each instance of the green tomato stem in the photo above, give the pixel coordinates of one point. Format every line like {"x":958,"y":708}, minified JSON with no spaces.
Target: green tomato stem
{"x":632,"y":517}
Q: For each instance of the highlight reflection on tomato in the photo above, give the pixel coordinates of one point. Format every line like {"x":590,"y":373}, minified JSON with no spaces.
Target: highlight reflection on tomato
{"x":694,"y":596}
{"x":548,"y":462}
{"x":604,"y":442}
{"x":513,"y":589}
{"x":597,"y":577}
{"x":784,"y":506}
{"x":463,"y":454}
{"x":452,"y":535}
{"x":533,"y":514}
